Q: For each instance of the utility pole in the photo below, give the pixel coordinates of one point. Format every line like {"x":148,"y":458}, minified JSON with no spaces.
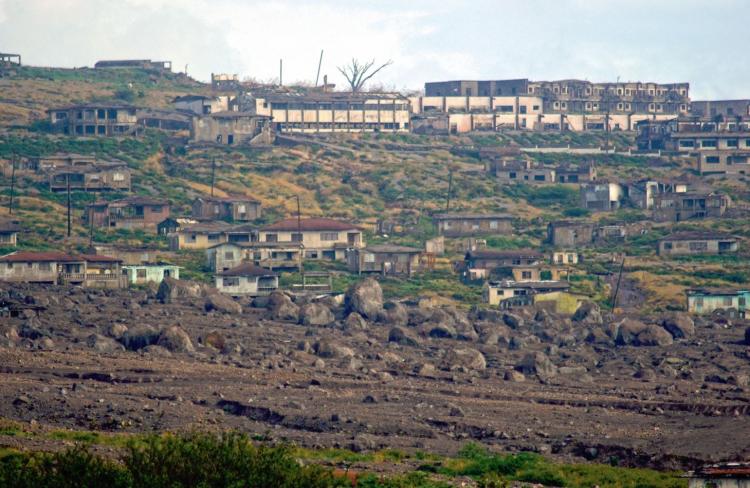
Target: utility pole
{"x":67,"y":181}
{"x":617,"y":288}
{"x":12,"y":183}
{"x":320,"y":62}
{"x":281,"y":72}
{"x":213,"y":175}
{"x":450,"y":188}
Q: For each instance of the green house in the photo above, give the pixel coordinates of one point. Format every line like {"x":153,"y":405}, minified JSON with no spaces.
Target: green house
{"x":706,"y":300}
{"x":140,"y":274}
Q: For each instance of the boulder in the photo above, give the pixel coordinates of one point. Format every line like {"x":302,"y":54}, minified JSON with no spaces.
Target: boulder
{"x":464,"y":359}
{"x":281,"y":307}
{"x":425,"y":369}
{"x":216,"y":302}
{"x":171,"y":289}
{"x":103,"y":344}
{"x":539,"y":364}
{"x":512,"y":320}
{"x":215,"y":339}
{"x":514,"y":376}
{"x":680,"y":325}
{"x":440,"y":331}
{"x":747,"y":336}
{"x":355,"y":322}
{"x":365,"y":298}
{"x":588,"y":312}
{"x":393,"y":313}
{"x":175,"y":339}
{"x":139,"y":336}
{"x":627,"y":330}
{"x":330,"y":349}
{"x":653,"y":336}
{"x":117,"y":330}
{"x":316,"y":314}
{"x":403,"y":336}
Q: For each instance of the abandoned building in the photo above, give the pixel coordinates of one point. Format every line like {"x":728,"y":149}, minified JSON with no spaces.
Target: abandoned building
{"x":144,"y":273}
{"x":641,"y":192}
{"x":697,"y":243}
{"x":129,"y":255}
{"x":723,"y":475}
{"x":232,"y":128}
{"x":321,"y":238}
{"x":136,"y":212}
{"x":385,"y":259}
{"x":61,"y":268}
{"x":610,"y":233}
{"x":707,"y":300}
{"x":134,"y":63}
{"x":202,"y":104}
{"x":507,"y":294}
{"x":247,"y":279}
{"x":8,"y":59}
{"x":564,"y":257}
{"x":523,"y":171}
{"x":575,"y":105}
{"x":225,"y":82}
{"x":483,"y":264}
{"x":269,"y":255}
{"x":236,"y":209}
{"x":95,"y":120}
{"x":207,"y":234}
{"x":335,"y":112}
{"x":570,"y":234}
{"x":91,"y":178}
{"x":602,"y":196}
{"x":468,"y":224}
{"x":567,"y":173}
{"x":717,"y":145}
{"x":677,"y":207}
{"x":44,"y":164}
{"x":165,"y":120}
{"x":9,"y":229}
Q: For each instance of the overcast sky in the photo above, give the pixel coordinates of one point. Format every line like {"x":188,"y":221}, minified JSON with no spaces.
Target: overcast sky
{"x":704,"y":42}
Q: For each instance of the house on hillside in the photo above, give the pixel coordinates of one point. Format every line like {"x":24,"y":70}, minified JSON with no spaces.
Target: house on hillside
{"x":507,"y":294}
{"x":641,"y":193}
{"x":102,"y":119}
{"x":602,"y":196}
{"x":569,"y":233}
{"x":523,"y":171}
{"x":129,"y":254}
{"x":677,"y":207}
{"x":207,"y":234}
{"x":60,"y":268}
{"x":269,"y":255}
{"x":247,"y":280}
{"x":697,"y":243}
{"x":703,"y":301}
{"x":566,"y":173}
{"x":232,"y":128}
{"x":385,"y":259}
{"x":564,"y":257}
{"x":144,"y":273}
{"x":321,"y":238}
{"x":239,"y":208}
{"x":43,"y":164}
{"x":473,"y":225}
{"x":201,"y":104}
{"x":94,"y":177}
{"x":165,"y":120}
{"x":723,"y":475}
{"x":136,"y":212}
{"x":9,"y":230}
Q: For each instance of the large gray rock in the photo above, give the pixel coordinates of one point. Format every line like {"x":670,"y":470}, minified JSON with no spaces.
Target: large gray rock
{"x":539,"y":364}
{"x":103,"y":344}
{"x":403,"y":336}
{"x":281,"y":307}
{"x":330,"y":349}
{"x":589,"y":313}
{"x":216,"y":302}
{"x":654,"y":336}
{"x":627,"y":330}
{"x":680,"y":325}
{"x":175,"y":339}
{"x":171,"y":289}
{"x":139,"y":336}
{"x":393,"y":313}
{"x":365,"y":298}
{"x":315,"y":314}
{"x":355,"y":321}
{"x":464,"y":359}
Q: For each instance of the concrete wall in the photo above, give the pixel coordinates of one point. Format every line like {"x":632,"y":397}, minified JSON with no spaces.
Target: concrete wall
{"x":246,"y":285}
{"x":474,"y":227}
{"x":140,"y":275}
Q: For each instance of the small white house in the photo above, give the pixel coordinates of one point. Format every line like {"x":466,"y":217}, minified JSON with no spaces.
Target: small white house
{"x":247,"y":280}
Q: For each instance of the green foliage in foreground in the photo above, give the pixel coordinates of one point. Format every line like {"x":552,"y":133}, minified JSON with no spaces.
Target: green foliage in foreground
{"x":494,"y":470}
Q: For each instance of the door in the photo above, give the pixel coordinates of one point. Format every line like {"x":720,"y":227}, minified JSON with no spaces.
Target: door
{"x":167,"y":273}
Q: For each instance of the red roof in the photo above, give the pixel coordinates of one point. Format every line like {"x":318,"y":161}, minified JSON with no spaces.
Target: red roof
{"x":31,"y":256}
{"x":313,"y":224}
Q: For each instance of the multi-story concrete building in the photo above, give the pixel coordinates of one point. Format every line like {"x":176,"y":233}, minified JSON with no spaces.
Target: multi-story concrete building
{"x":136,"y":212}
{"x":602,"y":196}
{"x":238,"y":208}
{"x":697,"y":243}
{"x":94,"y":177}
{"x":676,"y":207}
{"x":719,"y":145}
{"x":523,"y":171}
{"x":473,"y":225}
{"x":320,"y":238}
{"x":232,"y":127}
{"x":641,"y":193}
{"x":202,"y":104}
{"x":95,"y":119}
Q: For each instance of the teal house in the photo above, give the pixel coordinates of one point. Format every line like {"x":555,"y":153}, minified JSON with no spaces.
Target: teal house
{"x":706,"y":300}
{"x":140,"y":274}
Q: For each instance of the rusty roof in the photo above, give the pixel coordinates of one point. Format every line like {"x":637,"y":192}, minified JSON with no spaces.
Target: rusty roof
{"x":311,"y":224}
{"x":688,"y":236}
{"x":501,"y":254}
{"x":392,"y":249}
{"x":247,"y":269}
{"x":33,"y":256}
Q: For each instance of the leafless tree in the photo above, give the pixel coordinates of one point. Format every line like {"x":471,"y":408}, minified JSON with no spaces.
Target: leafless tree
{"x":357,"y":72}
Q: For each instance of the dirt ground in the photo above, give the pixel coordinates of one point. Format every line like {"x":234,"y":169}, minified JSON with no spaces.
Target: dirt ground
{"x":671,"y":406}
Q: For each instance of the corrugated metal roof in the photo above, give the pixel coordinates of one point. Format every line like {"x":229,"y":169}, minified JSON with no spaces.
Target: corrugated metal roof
{"x":32,"y":256}
{"x":311,"y":224}
{"x":247,"y":269}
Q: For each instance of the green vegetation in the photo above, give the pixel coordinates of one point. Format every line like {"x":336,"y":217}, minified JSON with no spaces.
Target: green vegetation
{"x":559,"y":196}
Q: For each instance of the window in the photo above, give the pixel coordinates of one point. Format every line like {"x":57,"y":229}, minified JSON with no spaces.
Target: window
{"x":230,"y":281}
{"x":229,"y":255}
{"x":733,"y":143}
{"x":728,"y":301}
{"x":526,"y":275}
{"x":538,"y":177}
{"x":699,"y":302}
{"x":712,"y":160}
{"x":329,"y":236}
{"x":687,"y":143}
{"x":296,"y":237}
{"x":272,"y":238}
{"x":493,"y":224}
{"x":44,"y":267}
{"x":698,"y":246}
{"x":668,"y":246}
{"x":213,"y":237}
{"x":140,"y":273}
{"x":708,"y":143}
{"x":369,"y":257}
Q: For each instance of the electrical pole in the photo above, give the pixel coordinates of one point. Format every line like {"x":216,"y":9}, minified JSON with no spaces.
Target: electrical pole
{"x":617,"y":288}
{"x":301,"y":243}
{"x":213,"y":175}
{"x":67,"y":181}
{"x":281,"y":72}
{"x":12,"y":183}
{"x":450,"y":188}
{"x":320,"y":62}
